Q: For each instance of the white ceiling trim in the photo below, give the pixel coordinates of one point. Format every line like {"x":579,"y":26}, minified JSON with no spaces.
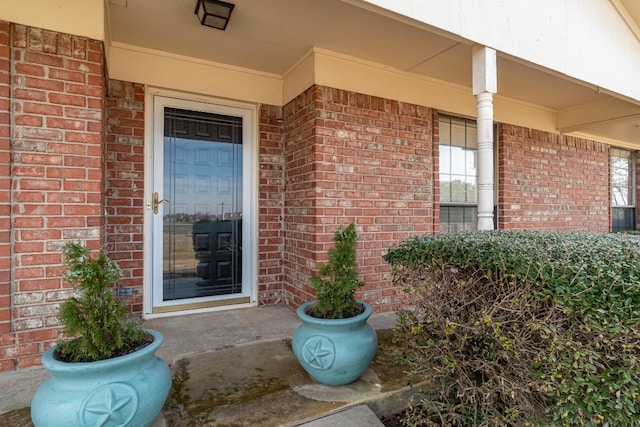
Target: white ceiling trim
{"x":626,"y":16}
{"x":607,"y":111}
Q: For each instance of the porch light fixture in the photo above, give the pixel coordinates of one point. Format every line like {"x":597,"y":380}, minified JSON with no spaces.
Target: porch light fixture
{"x":214,"y":13}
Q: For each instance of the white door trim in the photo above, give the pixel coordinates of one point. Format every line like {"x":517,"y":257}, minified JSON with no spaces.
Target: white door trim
{"x":249,"y":112}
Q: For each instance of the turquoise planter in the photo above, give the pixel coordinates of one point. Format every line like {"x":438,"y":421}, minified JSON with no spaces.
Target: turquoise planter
{"x":124,"y":391}
{"x":334,"y":351}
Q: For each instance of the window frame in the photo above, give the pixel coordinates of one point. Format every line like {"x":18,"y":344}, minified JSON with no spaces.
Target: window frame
{"x":449,"y":205}
{"x":623,"y":217}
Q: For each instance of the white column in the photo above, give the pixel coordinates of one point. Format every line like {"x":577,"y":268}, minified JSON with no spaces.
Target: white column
{"x":484,"y":86}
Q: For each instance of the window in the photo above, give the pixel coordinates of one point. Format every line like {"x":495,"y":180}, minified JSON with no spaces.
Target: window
{"x":458,"y":174}
{"x":623,"y":189}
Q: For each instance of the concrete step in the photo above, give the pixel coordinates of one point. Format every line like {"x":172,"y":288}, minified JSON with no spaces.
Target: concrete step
{"x":358,"y":416}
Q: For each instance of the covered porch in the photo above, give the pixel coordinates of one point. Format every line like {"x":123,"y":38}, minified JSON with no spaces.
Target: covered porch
{"x":237,"y":368}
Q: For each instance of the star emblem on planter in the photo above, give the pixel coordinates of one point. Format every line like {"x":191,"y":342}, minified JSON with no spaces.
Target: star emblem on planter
{"x":110,"y":405}
{"x":319,"y":352}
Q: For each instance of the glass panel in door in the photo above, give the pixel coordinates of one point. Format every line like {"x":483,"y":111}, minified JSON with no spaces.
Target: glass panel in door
{"x":201,"y":205}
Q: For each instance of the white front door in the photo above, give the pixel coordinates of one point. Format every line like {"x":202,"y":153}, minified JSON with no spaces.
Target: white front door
{"x":200,"y":205}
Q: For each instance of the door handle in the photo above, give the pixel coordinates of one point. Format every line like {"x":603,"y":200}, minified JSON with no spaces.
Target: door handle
{"x":157,"y":202}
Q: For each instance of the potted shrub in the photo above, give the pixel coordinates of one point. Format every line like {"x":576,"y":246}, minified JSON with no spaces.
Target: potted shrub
{"x":107,"y":374}
{"x":334,"y":343}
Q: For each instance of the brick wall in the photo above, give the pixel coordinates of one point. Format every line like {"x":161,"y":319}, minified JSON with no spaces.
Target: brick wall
{"x":270,"y":206}
{"x":299,"y":205}
{"x":56,"y":104}
{"x":552,"y":182}
{"x":354,"y":158}
{"x":7,"y":338}
{"x":124,"y":185}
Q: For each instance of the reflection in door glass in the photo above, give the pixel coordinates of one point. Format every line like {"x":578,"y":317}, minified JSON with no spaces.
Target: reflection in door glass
{"x":202,"y":220}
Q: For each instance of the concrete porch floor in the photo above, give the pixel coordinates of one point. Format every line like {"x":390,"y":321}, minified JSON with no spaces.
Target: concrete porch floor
{"x":236,"y":368}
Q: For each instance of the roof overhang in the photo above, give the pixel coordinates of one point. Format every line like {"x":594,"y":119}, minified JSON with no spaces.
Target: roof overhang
{"x":284,"y":45}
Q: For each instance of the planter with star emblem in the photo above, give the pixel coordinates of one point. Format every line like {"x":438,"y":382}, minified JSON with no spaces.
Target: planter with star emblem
{"x":334,"y":351}
{"x":128,"y":390}
{"x":334,"y":343}
{"x":106,"y":372}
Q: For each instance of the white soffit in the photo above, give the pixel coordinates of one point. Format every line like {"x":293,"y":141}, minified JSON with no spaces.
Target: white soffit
{"x":272,"y":36}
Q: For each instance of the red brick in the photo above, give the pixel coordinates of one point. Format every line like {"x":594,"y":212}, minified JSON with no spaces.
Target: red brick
{"x":43,"y":59}
{"x":95,"y":80}
{"x":65,"y":99}
{"x":30,"y":69}
{"x":82,"y":210}
{"x":44,"y":234}
{"x":87,"y":67}
{"x":66,"y":197}
{"x":83,"y":186}
{"x":95,"y":103}
{"x":6,"y":364}
{"x":29,"y":196}
{"x":48,"y":334}
{"x":93,"y":138}
{"x":29,"y":273}
{"x":44,"y":210}
{"x":28,"y":170}
{"x":30,"y":94}
{"x":44,"y":84}
{"x":39,"y":184}
{"x":91,"y":163}
{"x":28,"y":285}
{"x":65,"y":172}
{"x":35,"y":133}
{"x":28,"y":222}
{"x":66,"y":75}
{"x":40,"y":159}
{"x":83,"y":113}
{"x":66,"y":222}
{"x":23,"y":120}
{"x":94,"y":91}
{"x":18,"y":350}
{"x":43,"y":109}
{"x":30,"y":361}
{"x":56,"y":122}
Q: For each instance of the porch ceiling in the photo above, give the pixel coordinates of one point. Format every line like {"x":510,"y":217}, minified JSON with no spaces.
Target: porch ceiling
{"x":270,"y":36}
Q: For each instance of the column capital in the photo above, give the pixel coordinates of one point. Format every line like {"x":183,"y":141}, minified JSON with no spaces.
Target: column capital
{"x":484,"y":70}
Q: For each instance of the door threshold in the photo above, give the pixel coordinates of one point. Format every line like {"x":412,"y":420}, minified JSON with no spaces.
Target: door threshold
{"x":201,"y":305}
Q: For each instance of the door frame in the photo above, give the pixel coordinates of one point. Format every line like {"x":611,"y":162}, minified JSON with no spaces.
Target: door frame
{"x":250,"y":213}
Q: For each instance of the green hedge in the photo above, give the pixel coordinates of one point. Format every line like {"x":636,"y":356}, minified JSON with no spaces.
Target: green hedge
{"x":522,"y":328}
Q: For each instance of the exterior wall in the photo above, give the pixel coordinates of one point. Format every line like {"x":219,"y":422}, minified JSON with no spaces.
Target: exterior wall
{"x":56,"y":102}
{"x":300,"y":205}
{"x":552,"y":182}
{"x":72,"y":166}
{"x":7,"y":337}
{"x":124,"y":185}
{"x":354,"y":158}
{"x":271,"y":206}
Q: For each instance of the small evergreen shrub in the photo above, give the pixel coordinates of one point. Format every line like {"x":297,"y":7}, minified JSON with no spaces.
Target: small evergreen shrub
{"x":337,"y":281}
{"x":94,"y":317}
{"x":522,"y":328}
